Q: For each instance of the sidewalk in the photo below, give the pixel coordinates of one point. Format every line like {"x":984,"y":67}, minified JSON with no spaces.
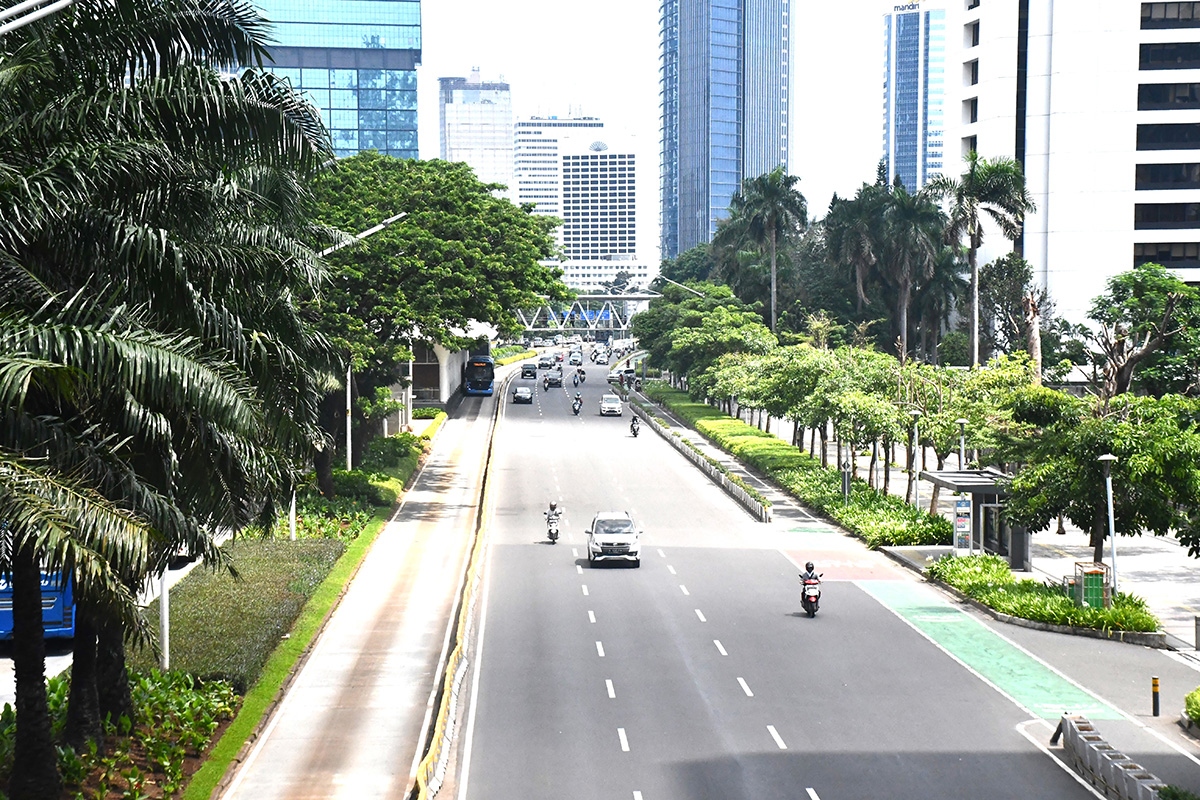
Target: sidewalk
{"x":1156,"y":569}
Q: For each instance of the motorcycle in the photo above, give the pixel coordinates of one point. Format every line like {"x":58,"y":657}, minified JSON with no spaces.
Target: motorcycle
{"x":575,"y":380}
{"x":634,"y":427}
{"x":576,"y":406}
{"x":552,"y":527}
{"x":811,"y":595}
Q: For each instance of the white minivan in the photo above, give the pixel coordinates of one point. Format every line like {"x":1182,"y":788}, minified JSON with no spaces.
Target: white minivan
{"x":613,"y":536}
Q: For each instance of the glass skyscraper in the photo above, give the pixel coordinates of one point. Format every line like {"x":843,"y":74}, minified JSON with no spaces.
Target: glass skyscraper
{"x":724,"y":100}
{"x":356,"y":60}
{"x":914,"y":89}
{"x":476,"y":126}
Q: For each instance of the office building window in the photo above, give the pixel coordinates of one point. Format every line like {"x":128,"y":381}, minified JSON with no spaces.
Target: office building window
{"x":970,"y":144}
{"x":1166,"y":96}
{"x":1167,"y":176}
{"x":972,"y":72}
{"x":1170,"y":15}
{"x":971,"y":34}
{"x":1149,"y":216}
{"x":971,"y":110}
{"x":1173,"y":255}
{"x":1170,"y":55}
{"x":1169,"y":136}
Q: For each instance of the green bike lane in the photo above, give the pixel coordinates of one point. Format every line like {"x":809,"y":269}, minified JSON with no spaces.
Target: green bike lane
{"x":1026,"y":680}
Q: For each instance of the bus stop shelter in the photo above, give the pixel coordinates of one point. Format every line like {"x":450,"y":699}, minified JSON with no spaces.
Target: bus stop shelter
{"x":990,"y":532}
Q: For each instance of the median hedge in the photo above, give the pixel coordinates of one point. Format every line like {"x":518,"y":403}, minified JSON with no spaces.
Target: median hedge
{"x":880,"y":520}
{"x":989,"y":580}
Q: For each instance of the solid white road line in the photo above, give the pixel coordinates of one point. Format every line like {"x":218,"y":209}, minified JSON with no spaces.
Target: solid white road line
{"x":624,"y":741}
{"x":775,"y":735}
{"x":745,"y":688}
{"x":600,"y":649}
{"x":812,"y":794}
{"x":579,"y":569}
{"x":585,"y":594}
{"x":700,"y":615}
{"x":591,"y":616}
{"x":683,"y":589}
{"x":1036,"y":741}
{"x":670,"y":569}
{"x":720,"y":649}
{"x":611,"y":691}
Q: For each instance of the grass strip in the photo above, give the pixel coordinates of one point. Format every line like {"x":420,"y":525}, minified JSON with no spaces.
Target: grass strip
{"x":282,"y":662}
{"x":990,"y":580}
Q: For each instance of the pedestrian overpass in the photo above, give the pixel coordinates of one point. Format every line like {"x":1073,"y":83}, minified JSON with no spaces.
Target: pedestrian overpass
{"x":606,"y":314}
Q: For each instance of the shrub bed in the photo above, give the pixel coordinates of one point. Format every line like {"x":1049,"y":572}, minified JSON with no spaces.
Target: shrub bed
{"x":362,"y":485}
{"x":511,"y":353}
{"x":426,"y":412}
{"x":224,"y":627}
{"x":989,"y":580}
{"x":880,"y":520}
{"x":1191,"y":704}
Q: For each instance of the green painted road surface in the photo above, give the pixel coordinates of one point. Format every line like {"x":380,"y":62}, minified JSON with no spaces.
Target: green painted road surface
{"x":1020,"y":676}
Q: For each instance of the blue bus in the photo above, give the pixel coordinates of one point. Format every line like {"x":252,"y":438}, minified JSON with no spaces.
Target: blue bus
{"x":479,"y":376}
{"x":58,"y":606}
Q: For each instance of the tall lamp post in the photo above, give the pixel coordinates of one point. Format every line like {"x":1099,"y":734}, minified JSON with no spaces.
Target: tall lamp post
{"x":1106,"y":462}
{"x":912,"y":471}
{"x":962,"y":442}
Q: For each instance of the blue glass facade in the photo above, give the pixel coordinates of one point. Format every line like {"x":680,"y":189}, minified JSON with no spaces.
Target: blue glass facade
{"x":724,"y":82}
{"x":914,"y":90}
{"x":356,"y":61}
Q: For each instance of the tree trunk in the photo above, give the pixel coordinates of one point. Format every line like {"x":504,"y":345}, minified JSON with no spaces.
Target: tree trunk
{"x":937,"y":490}
{"x":83,"y":705}
{"x":1033,"y":325}
{"x":887,"y":467}
{"x":112,"y":678}
{"x":812,"y":443}
{"x":1099,"y":531}
{"x":911,"y":460}
{"x":323,"y":464}
{"x":773,"y":279}
{"x":35,"y":761}
{"x":824,"y":446}
{"x":905,"y":291}
{"x":796,"y":440}
{"x":973,"y":260}
{"x":872,"y":470}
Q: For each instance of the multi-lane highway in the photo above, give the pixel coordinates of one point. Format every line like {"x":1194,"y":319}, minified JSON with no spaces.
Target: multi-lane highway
{"x":698,"y":676}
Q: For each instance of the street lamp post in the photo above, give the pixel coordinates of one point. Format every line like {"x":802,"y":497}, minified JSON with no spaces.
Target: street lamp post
{"x":962,"y":442}
{"x":912,"y":471}
{"x":1106,"y":462}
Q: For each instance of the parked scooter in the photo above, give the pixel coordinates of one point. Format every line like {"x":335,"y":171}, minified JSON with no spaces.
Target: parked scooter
{"x":811,"y":595}
{"x":634,"y":427}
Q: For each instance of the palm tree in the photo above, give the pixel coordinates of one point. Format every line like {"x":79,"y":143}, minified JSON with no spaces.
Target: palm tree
{"x":155,"y":360}
{"x":995,"y":187}
{"x":854,"y":234}
{"x":765,"y":211}
{"x":913,"y":232}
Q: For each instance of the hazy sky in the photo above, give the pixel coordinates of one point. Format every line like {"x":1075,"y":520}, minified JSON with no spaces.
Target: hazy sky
{"x":602,"y":60}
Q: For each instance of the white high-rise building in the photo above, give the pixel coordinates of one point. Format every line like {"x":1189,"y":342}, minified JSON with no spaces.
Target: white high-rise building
{"x":1100,"y":103}
{"x":914,"y":89}
{"x":590,"y":178}
{"x":477,"y":126}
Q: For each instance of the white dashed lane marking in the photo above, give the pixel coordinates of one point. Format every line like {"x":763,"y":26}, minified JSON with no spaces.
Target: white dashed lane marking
{"x":591,"y":616}
{"x":700,"y":615}
{"x":608,"y":684}
{"x":720,"y":649}
{"x":624,"y":741}
{"x":600,"y":649}
{"x":745,"y":687}
{"x":683,"y":589}
{"x":775,"y":735}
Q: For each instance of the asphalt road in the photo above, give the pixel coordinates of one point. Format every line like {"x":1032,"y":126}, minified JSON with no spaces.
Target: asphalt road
{"x":697,"y":676}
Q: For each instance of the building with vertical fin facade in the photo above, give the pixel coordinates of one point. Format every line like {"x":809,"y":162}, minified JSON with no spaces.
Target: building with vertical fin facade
{"x":356,"y":62}
{"x":476,"y":127}
{"x":914,"y":88}
{"x":724,"y":85}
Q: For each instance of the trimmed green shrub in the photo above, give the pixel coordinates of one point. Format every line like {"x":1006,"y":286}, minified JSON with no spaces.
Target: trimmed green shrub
{"x":880,"y":520}
{"x":1175,"y":793}
{"x":357,"y":483}
{"x":989,"y":580}
{"x":387,"y":452}
{"x":224,"y":627}
{"x":1191,"y":704}
{"x":426,"y":412}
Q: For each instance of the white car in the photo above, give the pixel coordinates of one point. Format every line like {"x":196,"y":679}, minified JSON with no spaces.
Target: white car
{"x":610,"y":404}
{"x":613,"y":536}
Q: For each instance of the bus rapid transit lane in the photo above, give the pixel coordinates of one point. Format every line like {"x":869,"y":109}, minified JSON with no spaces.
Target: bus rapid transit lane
{"x":351,"y":722}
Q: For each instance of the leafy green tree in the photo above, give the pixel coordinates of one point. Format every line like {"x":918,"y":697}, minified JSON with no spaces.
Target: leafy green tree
{"x":461,"y":255}
{"x":992,"y":188}
{"x":913,"y":230}
{"x":766,"y":211}
{"x":854,"y":231}
{"x":1148,"y":319}
{"x":701,"y":338}
{"x":694,"y":265}
{"x":654,"y":326}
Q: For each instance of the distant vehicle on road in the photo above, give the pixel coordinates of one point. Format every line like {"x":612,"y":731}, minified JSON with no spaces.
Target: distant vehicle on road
{"x":610,"y":404}
{"x":529,"y":370}
{"x":522,"y":394}
{"x":576,"y":359}
{"x":615,"y":375}
{"x":613,"y":536}
{"x":553,"y":378}
{"x":545,"y":362}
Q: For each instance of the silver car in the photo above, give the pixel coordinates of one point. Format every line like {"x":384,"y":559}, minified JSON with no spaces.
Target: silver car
{"x":613,"y":536}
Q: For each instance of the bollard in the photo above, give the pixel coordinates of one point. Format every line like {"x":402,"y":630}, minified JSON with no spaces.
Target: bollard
{"x":1154,"y":690}
{"x":1197,"y":633}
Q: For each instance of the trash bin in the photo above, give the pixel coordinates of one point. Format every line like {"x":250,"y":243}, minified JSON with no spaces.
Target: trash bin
{"x":1092,"y":585}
